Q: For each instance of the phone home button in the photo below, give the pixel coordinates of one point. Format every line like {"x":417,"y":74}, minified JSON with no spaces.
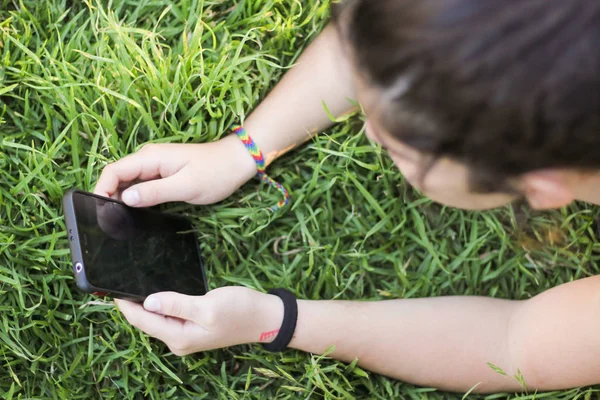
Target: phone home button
{"x":78,"y":267}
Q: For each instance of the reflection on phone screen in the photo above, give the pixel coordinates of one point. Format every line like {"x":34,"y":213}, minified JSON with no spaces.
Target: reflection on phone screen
{"x":136,"y":251}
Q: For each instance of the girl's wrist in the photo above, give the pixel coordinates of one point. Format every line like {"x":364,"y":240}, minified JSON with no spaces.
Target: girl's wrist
{"x":237,"y":155}
{"x":269,"y":318}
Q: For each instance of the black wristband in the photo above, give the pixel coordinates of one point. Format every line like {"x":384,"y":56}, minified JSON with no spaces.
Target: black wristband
{"x":288,"y":326}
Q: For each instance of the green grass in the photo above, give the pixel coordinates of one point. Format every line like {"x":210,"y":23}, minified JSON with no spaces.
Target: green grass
{"x":86,"y":82}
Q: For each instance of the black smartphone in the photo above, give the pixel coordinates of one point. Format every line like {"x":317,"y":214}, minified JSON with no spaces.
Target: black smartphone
{"x":130,"y":253}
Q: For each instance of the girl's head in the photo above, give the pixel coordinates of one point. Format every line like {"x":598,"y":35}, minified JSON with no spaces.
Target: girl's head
{"x":481,"y":101}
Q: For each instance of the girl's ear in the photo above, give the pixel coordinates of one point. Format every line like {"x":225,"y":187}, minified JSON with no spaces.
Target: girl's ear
{"x":547,"y":189}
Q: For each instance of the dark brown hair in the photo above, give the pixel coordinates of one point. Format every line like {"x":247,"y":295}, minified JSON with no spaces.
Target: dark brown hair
{"x":509,"y":86}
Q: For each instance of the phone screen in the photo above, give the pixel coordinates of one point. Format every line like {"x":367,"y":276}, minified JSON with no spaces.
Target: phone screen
{"x":136,"y":251}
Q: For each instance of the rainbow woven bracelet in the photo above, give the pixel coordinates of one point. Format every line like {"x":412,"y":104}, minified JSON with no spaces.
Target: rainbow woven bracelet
{"x":260,"y":165}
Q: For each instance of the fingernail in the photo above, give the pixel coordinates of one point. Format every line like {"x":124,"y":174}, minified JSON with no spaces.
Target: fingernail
{"x":152,"y":304}
{"x":131,"y":197}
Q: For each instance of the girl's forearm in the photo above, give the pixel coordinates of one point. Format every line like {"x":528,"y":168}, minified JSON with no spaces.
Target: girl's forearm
{"x":444,"y":343}
{"x":550,"y":340}
{"x":294,"y":111}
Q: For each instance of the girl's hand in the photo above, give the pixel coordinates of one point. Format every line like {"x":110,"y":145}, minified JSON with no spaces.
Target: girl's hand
{"x":224,"y":317}
{"x":194,"y":173}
